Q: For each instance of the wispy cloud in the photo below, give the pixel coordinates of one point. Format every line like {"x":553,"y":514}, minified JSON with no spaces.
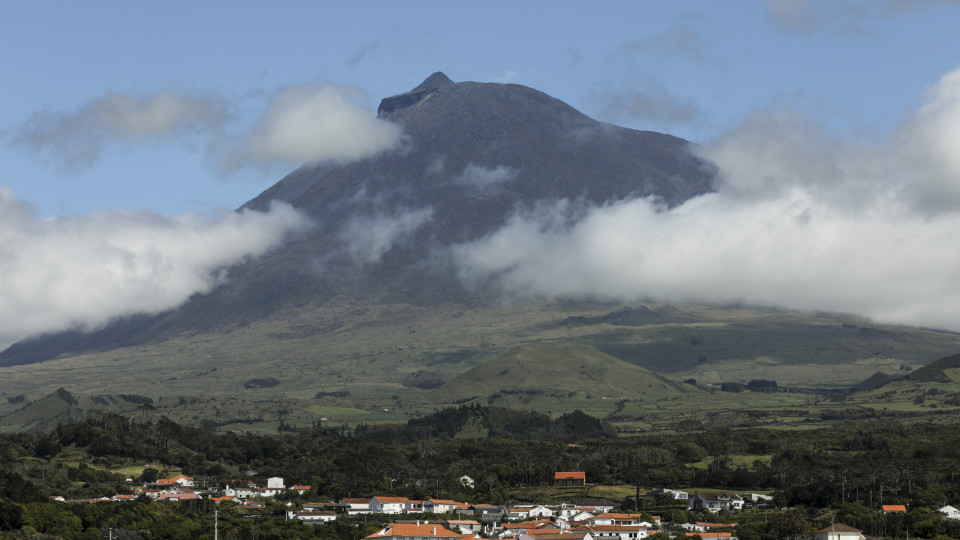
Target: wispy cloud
{"x":678,"y":41}
{"x":801,"y":219}
{"x":479,"y":177}
{"x":645,"y":101}
{"x":307,"y":123}
{"x":844,"y":16}
{"x":80,"y":272}
{"x":74,"y":140}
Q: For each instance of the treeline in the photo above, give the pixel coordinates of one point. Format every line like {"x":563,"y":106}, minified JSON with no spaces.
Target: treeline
{"x":494,"y":422}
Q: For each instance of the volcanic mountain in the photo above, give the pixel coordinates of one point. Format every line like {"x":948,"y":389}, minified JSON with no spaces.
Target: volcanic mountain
{"x":473,"y":154}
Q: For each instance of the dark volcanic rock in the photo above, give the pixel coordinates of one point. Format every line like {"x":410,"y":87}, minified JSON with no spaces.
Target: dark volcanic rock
{"x":474,"y":154}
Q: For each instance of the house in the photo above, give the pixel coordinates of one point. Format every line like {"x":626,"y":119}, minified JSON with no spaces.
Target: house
{"x":838,"y":531}
{"x":892,"y":509}
{"x":356,"y":506}
{"x":599,"y":505}
{"x":300,"y":489}
{"x":950,"y":512}
{"x":583,"y":535}
{"x":178,"y":496}
{"x":674,"y":494}
{"x":540,"y":511}
{"x":712,"y":535}
{"x":466,"y":481}
{"x":180,"y":480}
{"x":715,"y":502}
{"x":463,"y":525}
{"x":274,"y":487}
{"x":614,"y":532}
{"x":441,"y":506}
{"x":418,"y":531}
{"x":388,"y":505}
{"x":569,"y":478}
{"x":513,"y":530}
{"x":308,"y":516}
{"x":608,"y":518}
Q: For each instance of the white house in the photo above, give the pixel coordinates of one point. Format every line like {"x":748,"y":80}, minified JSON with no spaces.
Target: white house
{"x":356,"y":506}
{"x":950,"y":512}
{"x":715,"y":502}
{"x":838,"y":531}
{"x":388,"y":505}
{"x":564,"y":536}
{"x":540,"y":511}
{"x":675,"y":494}
{"x":307,"y":516}
{"x":440,"y":506}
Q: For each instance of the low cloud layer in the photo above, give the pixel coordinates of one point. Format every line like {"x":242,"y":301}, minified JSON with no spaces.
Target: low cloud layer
{"x":801,"y":220}
{"x":297,"y":125}
{"x":80,"y":272}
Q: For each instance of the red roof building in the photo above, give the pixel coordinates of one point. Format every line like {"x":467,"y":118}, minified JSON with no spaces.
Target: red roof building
{"x":569,"y":479}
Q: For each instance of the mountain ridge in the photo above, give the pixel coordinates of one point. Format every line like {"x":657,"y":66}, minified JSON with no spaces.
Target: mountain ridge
{"x":474,"y":155}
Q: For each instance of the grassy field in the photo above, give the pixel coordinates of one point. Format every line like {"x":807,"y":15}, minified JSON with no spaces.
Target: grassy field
{"x":352,"y":364}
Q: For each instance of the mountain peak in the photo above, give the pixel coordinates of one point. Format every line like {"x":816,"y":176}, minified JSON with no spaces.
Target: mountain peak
{"x":401,"y":101}
{"x":433,"y":82}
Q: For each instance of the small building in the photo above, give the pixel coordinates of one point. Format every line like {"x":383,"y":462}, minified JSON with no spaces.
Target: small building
{"x":388,"y":505}
{"x":838,"y":531}
{"x":949,"y":512}
{"x":313,"y":516}
{"x":715,"y":502}
{"x":569,"y":479}
{"x":892,"y":509}
{"x":674,"y":494}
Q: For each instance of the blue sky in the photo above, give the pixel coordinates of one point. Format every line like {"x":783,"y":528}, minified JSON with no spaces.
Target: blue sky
{"x":693,"y":69}
{"x":127,"y":128}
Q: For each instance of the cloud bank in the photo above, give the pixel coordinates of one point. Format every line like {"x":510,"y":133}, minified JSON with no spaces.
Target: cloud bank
{"x":800,"y":219}
{"x":80,"y":272}
{"x":297,"y":125}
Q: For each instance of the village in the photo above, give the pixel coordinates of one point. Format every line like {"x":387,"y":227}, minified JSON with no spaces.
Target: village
{"x":579,"y":519}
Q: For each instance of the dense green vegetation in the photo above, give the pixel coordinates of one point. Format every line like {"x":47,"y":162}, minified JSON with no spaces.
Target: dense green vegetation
{"x":842,"y":473}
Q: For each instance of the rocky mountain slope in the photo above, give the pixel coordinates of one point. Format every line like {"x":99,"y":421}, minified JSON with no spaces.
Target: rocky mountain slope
{"x":473,"y":154}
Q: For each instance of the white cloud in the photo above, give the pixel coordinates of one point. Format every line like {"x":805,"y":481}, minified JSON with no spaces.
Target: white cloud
{"x":299,"y":124}
{"x":678,"y":41}
{"x":480,"y":177}
{"x":367,"y":238}
{"x":80,"y":272}
{"x":801,"y":220}
{"x":309,"y":124}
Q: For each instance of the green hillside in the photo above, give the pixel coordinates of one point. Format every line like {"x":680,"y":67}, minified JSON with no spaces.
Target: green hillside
{"x":558,"y":371}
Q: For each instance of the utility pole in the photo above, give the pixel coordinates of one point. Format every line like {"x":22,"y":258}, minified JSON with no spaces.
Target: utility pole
{"x":215,"y":524}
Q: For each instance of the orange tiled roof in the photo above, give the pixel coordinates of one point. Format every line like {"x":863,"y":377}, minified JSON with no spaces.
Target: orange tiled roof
{"x":425,"y":530}
{"x":392,"y":499}
{"x":569,"y":476}
{"x":894,"y":508}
